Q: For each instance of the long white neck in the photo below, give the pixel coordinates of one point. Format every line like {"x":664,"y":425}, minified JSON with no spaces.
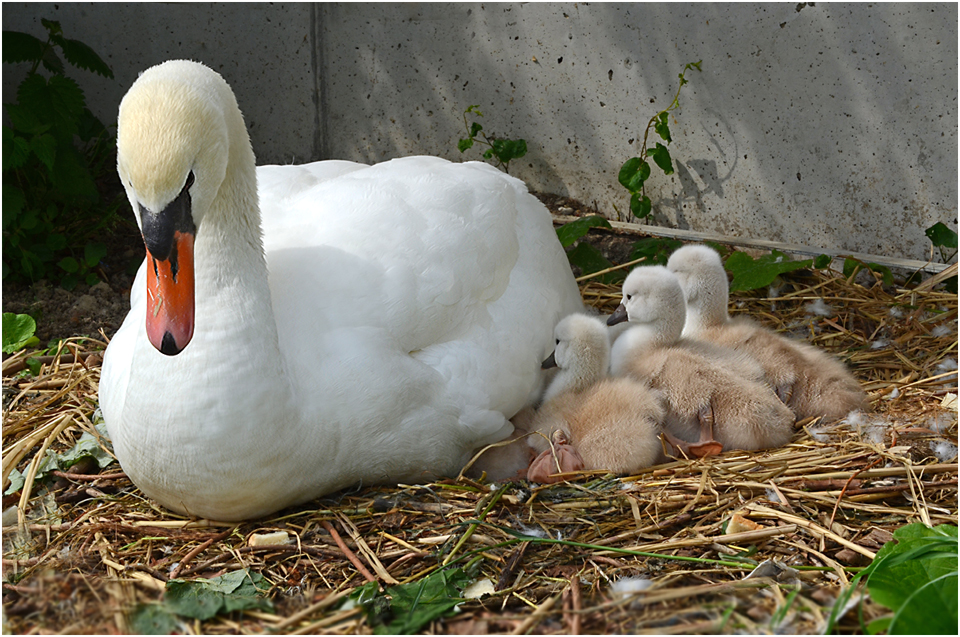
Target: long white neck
{"x":630,"y":344}
{"x":706,"y":306}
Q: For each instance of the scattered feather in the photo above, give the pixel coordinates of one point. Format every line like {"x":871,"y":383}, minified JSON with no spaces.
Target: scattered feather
{"x":943,"y":450}
{"x":895,"y":312}
{"x":941,"y":422}
{"x":878,"y":344}
{"x":478,"y":589}
{"x":894,"y":393}
{"x":630,"y":585}
{"x":943,"y":330}
{"x":818,"y":308}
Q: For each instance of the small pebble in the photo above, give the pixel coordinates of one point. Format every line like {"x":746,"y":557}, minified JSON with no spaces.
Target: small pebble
{"x":277,"y":538}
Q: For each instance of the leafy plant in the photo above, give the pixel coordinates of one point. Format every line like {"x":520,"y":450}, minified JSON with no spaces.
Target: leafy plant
{"x":851,"y":266}
{"x":636,"y":170}
{"x":406,"y":608}
{"x":750,"y":274}
{"x":18,"y":332}
{"x":87,"y":446}
{"x":503,"y":150}
{"x":915,"y":576}
{"x":55,"y":151}
{"x":656,"y":250}
{"x":584,"y":256}
{"x":943,"y":237}
{"x":202,"y":599}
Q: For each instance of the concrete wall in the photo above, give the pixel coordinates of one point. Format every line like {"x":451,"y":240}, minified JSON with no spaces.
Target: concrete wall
{"x":831,"y":125}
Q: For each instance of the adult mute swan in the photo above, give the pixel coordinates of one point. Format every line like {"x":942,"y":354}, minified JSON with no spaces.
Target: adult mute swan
{"x":385,"y":322}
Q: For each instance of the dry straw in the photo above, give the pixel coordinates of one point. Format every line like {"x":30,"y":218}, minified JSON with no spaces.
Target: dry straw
{"x":644,"y":553}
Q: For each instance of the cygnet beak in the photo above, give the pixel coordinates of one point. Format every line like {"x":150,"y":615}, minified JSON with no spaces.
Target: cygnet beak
{"x":550,"y":362}
{"x":619,"y":315}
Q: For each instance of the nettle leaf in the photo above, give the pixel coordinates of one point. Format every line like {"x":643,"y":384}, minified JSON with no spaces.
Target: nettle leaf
{"x":69,"y":264}
{"x":45,"y":148}
{"x":750,"y":274}
{"x":661,"y":156}
{"x":640,"y":206}
{"x":52,"y":27}
{"x":82,"y":56}
{"x":916,"y":577}
{"x":203,"y":599}
{"x":14,"y":202}
{"x":941,"y":236}
{"x":16,"y":151}
{"x":570,"y":232}
{"x":410,"y":607}
{"x":656,"y":249}
{"x":71,"y":177}
{"x":24,"y":120}
{"x":52,"y":62}
{"x":18,"y":331}
{"x":21,"y":47}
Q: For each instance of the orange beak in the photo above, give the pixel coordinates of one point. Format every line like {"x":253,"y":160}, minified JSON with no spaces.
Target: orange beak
{"x":170,"y":296}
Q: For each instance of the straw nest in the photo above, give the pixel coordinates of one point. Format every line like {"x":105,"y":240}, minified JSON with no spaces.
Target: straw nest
{"x":665,"y":551}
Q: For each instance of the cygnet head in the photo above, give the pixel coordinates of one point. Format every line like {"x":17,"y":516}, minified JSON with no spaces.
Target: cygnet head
{"x":653,"y":298}
{"x":182,"y":147}
{"x":704,"y":283}
{"x":582,"y":354}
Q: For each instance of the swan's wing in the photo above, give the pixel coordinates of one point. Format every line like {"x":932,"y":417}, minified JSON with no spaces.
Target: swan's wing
{"x":457,"y":263}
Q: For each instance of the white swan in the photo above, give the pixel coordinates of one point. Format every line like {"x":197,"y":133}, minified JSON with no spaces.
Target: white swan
{"x":714,"y":396}
{"x":808,"y":380}
{"x":609,"y":423}
{"x":389,"y":321}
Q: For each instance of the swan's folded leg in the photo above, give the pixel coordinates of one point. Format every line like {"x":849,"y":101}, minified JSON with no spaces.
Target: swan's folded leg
{"x":545,"y":466}
{"x":708,"y":445}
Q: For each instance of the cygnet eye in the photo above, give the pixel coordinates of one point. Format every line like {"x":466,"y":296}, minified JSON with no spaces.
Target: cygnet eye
{"x":629,"y":296}
{"x":558,"y":341}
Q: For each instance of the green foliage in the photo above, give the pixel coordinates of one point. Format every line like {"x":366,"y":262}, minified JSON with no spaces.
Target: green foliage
{"x":88,"y":446}
{"x":915,"y":576}
{"x":503,"y":150}
{"x":18,"y":332}
{"x":750,"y":274}
{"x":636,"y":171}
{"x":851,"y":266}
{"x":201,"y":599}
{"x":944,"y":238}
{"x":55,"y":151}
{"x":656,"y":249}
{"x":406,"y":608}
{"x":570,"y":232}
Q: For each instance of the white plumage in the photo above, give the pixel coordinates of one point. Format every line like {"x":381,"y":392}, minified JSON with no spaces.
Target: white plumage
{"x":395,"y":323}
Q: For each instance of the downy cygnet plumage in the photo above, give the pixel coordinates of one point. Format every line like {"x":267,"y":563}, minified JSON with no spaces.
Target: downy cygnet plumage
{"x":709,"y":407}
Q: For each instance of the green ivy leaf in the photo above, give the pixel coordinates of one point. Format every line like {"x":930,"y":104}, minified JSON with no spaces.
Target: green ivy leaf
{"x":633,"y":173}
{"x":570,"y":232}
{"x":750,"y":274}
{"x":18,"y":331}
{"x":851,"y":266}
{"x":464,"y":145}
{"x":662,"y":127}
{"x":640,"y":206}
{"x":661,"y":156}
{"x":21,"y":47}
{"x":412,"y":606}
{"x":822,"y":261}
{"x":941,"y":236}
{"x":507,"y":150}
{"x":475,"y":128}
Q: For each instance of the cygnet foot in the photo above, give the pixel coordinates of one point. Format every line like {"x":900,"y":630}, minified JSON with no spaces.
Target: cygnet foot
{"x":545,"y":466}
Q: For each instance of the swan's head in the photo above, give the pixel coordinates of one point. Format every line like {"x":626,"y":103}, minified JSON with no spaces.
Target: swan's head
{"x":652,"y":296}
{"x":582,"y":342}
{"x":173,"y":144}
{"x":703,"y":279}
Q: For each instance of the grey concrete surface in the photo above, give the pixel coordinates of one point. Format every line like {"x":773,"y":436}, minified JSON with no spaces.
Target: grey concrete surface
{"x":818,"y":124}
